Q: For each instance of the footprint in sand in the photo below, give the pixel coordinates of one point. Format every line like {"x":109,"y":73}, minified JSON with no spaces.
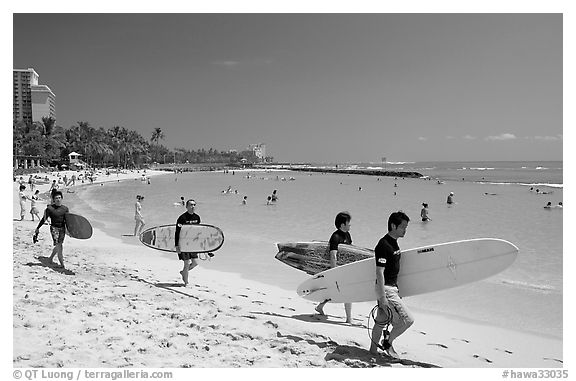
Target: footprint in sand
{"x":439,"y":345}
{"x":482,"y":358}
{"x":550,"y":359}
{"x":464,"y":340}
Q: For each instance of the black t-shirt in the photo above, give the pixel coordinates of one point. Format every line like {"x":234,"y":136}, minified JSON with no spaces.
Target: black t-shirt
{"x":57,"y":215}
{"x":388,"y":256}
{"x":185,"y":219}
{"x":339,"y":237}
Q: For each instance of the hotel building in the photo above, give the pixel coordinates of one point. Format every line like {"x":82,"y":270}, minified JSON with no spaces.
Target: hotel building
{"x":31,"y":101}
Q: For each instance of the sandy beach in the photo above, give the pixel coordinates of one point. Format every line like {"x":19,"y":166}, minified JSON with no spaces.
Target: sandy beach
{"x":119,"y":305}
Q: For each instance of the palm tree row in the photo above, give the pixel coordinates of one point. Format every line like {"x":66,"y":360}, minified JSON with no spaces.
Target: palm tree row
{"x":116,"y":146}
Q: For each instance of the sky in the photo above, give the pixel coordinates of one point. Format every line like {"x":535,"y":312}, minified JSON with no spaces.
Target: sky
{"x":317,"y":87}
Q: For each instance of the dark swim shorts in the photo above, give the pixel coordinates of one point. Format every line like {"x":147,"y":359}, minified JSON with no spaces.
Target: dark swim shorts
{"x":58,"y":234}
{"x":184,"y":256}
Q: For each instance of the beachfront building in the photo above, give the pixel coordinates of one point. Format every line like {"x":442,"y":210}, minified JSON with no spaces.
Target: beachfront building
{"x":31,"y":101}
{"x":259,"y":150}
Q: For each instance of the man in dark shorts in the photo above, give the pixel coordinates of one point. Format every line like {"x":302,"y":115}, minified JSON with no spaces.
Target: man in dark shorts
{"x":341,"y":235}
{"x":388,"y":256}
{"x":187,"y":218}
{"x":57,"y":214}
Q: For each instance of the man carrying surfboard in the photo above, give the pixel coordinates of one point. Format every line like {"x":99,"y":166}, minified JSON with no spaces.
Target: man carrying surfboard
{"x":341,"y":235}
{"x":387,"y":254}
{"x":187,"y":218}
{"x":57,"y":214}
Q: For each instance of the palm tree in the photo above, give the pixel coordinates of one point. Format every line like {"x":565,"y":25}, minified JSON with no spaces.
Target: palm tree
{"x":157,"y":135}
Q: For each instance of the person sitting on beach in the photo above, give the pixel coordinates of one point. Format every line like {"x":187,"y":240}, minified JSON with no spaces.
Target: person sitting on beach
{"x":182,"y":201}
{"x":269,"y":200}
{"x":388,"y":260}
{"x":56,"y":212}
{"x":187,"y":218}
{"x":341,"y":235}
{"x":138,"y":215}
{"x":424,"y":212}
{"x":244,"y":200}
{"x":450,"y":199}
{"x":274,"y":197}
{"x":549,"y":205}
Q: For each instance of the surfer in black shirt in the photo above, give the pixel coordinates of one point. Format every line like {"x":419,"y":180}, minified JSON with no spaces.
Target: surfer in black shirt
{"x":57,"y":214}
{"x":388,"y":256}
{"x":187,"y":218}
{"x":341,"y":235}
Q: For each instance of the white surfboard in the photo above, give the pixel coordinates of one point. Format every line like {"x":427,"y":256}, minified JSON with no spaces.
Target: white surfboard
{"x":198,"y":238}
{"x":424,"y":269}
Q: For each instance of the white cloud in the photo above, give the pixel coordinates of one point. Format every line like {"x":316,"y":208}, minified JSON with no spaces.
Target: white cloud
{"x":422,"y":138}
{"x":450,"y":137}
{"x":469,"y":137}
{"x":505,"y":136}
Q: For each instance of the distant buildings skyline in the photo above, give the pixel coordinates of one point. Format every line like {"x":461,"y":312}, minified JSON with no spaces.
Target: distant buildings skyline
{"x":31,"y":100}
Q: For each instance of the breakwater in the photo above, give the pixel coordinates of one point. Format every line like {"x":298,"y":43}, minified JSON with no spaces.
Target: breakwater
{"x":357,"y":171}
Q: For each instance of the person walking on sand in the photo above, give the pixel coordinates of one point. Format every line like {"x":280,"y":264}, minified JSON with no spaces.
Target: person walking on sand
{"x":33,"y":201}
{"x":22,"y":196}
{"x":387,"y":254}
{"x":56,"y":212}
{"x":138,"y":215}
{"x":424,"y":212}
{"x":54,"y":186}
{"x":189,"y":217}
{"x":341,"y":235}
{"x":450,"y":199}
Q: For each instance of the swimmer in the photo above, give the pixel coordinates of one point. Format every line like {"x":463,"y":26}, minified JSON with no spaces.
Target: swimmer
{"x":424,"y":212}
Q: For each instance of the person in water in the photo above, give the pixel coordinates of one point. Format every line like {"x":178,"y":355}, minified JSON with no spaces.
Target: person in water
{"x":424,"y":212}
{"x":450,"y":199}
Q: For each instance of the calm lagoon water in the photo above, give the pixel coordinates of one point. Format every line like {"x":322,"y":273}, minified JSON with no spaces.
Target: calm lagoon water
{"x":527,"y":296}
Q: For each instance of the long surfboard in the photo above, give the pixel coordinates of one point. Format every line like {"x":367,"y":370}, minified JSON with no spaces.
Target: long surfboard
{"x":422,"y":270}
{"x":78,"y":227}
{"x":199,"y":238}
{"x":313,"y":257}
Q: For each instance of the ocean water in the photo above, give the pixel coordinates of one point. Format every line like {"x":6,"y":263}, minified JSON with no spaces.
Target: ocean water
{"x":489,"y":203}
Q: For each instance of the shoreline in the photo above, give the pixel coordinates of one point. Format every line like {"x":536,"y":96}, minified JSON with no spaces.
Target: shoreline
{"x":122,"y":307}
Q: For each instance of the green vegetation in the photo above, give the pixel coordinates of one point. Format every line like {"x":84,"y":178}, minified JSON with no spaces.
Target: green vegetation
{"x":116,"y":146}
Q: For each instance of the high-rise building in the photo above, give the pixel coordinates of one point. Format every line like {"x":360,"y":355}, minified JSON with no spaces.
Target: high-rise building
{"x":31,"y":101}
{"x":259,"y":150}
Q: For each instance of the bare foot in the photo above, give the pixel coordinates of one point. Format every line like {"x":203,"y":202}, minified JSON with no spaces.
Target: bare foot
{"x":392,"y":353}
{"x":183,"y":280}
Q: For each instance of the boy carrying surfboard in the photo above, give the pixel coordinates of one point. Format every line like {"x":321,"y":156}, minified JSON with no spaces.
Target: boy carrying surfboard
{"x":187,"y":218}
{"x":57,"y":214}
{"x":341,"y":235}
{"x":387,"y":254}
